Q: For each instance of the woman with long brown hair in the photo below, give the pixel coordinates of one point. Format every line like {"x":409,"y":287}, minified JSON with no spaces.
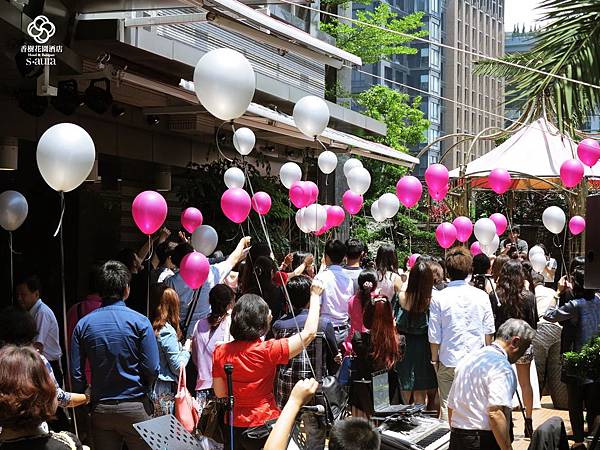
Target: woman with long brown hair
{"x":415,"y":371}
{"x":513,"y":300}
{"x":377,"y":349}
{"x":173,"y":356}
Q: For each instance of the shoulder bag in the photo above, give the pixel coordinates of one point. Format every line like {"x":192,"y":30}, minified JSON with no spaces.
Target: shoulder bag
{"x":186,"y":410}
{"x":330,"y":393}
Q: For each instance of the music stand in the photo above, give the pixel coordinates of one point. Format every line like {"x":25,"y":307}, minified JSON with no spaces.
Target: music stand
{"x":166,"y":432}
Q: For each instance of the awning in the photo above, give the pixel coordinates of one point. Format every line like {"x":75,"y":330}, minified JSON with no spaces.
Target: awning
{"x":245,"y":15}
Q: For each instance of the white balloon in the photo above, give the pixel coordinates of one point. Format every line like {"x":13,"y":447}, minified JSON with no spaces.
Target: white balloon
{"x":554,"y":219}
{"x":376,"y":212}
{"x":351,"y":164}
{"x":300,"y":220}
{"x":490,"y":249}
{"x":244,"y":140}
{"x":234,"y":178}
{"x":205,"y":239}
{"x":314,"y":217}
{"x":485,"y":230}
{"x":224,"y":82}
{"x":65,"y":156}
{"x":13,"y":210}
{"x":389,"y":205}
{"x":359,"y":180}
{"x":289,"y":173}
{"x":311,"y":115}
{"x":538,"y":262}
{"x":536,"y":249}
{"x":327,"y":161}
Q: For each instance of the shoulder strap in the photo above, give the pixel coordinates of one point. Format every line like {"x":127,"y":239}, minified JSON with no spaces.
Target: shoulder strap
{"x":318,"y":358}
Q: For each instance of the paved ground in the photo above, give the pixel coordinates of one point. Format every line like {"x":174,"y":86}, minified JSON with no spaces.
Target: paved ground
{"x":539,"y":417}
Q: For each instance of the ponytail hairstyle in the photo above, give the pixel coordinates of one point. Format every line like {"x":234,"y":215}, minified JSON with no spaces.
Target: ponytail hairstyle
{"x":220,"y":298}
{"x":367,"y":283}
{"x":385,"y":341}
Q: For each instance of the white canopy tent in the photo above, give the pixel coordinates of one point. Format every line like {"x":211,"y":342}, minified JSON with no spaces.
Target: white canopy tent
{"x":533,"y":154}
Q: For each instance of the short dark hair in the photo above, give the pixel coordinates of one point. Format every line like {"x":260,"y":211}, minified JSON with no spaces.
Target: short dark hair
{"x":515,"y":229}
{"x":459,"y":263}
{"x":249,"y":318}
{"x":298,"y":289}
{"x":180,"y":251}
{"x":113,"y":280}
{"x":164,"y":250}
{"x":335,"y":250}
{"x":32,"y":282}
{"x":481,"y":264}
{"x":219,"y":298}
{"x":17,"y":327}
{"x":354,"y":248}
{"x":354,"y":433}
{"x":538,"y":278}
{"x":27,"y":393}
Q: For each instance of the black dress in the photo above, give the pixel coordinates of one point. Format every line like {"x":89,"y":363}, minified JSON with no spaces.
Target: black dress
{"x":51,"y":441}
{"x":528,"y":313}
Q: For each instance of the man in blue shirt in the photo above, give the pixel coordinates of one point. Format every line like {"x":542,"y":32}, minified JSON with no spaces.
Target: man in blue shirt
{"x":121,"y":347}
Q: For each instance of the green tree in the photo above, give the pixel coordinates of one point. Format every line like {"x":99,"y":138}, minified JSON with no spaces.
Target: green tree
{"x":406,"y":126}
{"x":375,"y":44}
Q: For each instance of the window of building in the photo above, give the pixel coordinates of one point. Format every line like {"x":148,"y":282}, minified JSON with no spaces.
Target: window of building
{"x":433,"y":135}
{"x":398,"y":76}
{"x":434,"y":110}
{"x":388,"y":76}
{"x":434,"y":30}
{"x":434,"y":84}
{"x":420,"y":5}
{"x":424,"y":82}
{"x":434,"y":6}
{"x":434,"y":57}
{"x":433,"y":159}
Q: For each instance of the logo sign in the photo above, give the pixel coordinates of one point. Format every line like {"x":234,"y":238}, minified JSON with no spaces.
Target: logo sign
{"x":41,"y":29}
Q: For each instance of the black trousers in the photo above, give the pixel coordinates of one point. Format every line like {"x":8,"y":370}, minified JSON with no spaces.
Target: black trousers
{"x":241,"y":442}
{"x":112,"y":424}
{"x":472,"y":440}
{"x":580,"y":395}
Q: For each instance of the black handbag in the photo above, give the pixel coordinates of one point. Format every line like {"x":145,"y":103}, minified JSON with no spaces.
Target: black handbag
{"x":330,"y":393}
{"x":212,"y":420}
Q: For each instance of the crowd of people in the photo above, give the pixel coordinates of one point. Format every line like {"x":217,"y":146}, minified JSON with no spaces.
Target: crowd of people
{"x":445,"y":332}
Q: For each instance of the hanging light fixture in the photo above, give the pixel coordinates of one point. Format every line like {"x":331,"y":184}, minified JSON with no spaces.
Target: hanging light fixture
{"x":9,"y":153}
{"x":163,"y":179}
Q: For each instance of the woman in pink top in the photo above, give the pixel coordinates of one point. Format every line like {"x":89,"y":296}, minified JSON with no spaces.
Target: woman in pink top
{"x":207,"y":334}
{"x":367,"y":283}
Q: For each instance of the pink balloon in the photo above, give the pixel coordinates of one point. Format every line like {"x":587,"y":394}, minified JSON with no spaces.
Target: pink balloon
{"x":149,"y":210}
{"x":588,"y":152}
{"x":500,"y":222}
{"x":409,"y":190}
{"x":476,"y":248}
{"x":436,"y":177}
{"x":261,"y":202}
{"x":571,"y":172}
{"x":335,"y":216}
{"x":412,"y":259}
{"x":499,"y":180}
{"x":464,"y":228}
{"x":191,"y":218}
{"x":313,"y":191}
{"x":576,"y":225}
{"x":299,"y":194}
{"x":352,"y":202}
{"x":439,"y":194}
{"x":324,"y":229}
{"x":194,"y":269}
{"x":445,"y":233}
{"x":236,"y":204}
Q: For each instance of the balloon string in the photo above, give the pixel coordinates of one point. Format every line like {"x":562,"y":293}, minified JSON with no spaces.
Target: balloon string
{"x":150,"y":249}
{"x":12,"y":281}
{"x":148,"y":269}
{"x":289,"y":227}
{"x":62,"y":213}
{"x":217,"y":142}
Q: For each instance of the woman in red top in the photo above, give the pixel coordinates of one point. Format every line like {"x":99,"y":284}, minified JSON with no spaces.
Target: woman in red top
{"x":255,"y":362}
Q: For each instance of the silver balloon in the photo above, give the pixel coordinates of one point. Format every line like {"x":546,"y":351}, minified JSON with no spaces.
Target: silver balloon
{"x":389,"y":205}
{"x":311,"y":115}
{"x":554,"y":219}
{"x":536,"y":249}
{"x":538,"y":262}
{"x":290,"y":173}
{"x":13,"y":210}
{"x":234,"y":178}
{"x":490,"y":248}
{"x":376,"y":212}
{"x":65,"y":156}
{"x":205,"y":239}
{"x":359,"y":180}
{"x":351,"y":164}
{"x":485,"y":230}
{"x":244,"y":140}
{"x":224,"y":82}
{"x":314,"y":217}
{"x":327,"y":162}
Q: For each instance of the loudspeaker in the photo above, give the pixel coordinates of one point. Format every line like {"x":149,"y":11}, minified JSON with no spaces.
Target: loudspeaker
{"x":592,"y":242}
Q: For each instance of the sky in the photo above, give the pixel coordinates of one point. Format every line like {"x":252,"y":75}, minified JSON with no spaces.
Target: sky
{"x":519,"y":11}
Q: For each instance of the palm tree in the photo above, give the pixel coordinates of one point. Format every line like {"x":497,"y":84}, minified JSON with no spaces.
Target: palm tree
{"x":567,"y":46}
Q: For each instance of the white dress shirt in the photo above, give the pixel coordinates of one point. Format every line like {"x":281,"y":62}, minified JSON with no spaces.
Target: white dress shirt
{"x":338,"y":287}
{"x":544,"y":297}
{"x":47,"y":330}
{"x":459,"y":318}
{"x":481,"y":381}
